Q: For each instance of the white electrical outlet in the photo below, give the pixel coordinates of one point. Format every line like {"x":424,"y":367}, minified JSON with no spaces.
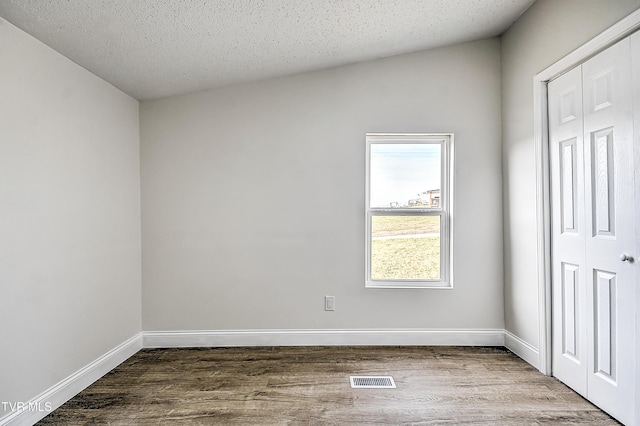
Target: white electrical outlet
{"x":329,"y":303}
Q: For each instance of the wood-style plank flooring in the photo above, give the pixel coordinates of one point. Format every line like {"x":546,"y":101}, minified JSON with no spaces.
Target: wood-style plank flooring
{"x":310,"y":386}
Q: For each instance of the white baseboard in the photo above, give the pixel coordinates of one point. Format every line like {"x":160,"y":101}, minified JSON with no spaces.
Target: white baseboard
{"x":521,"y":348}
{"x":63,"y":391}
{"x":228,"y":338}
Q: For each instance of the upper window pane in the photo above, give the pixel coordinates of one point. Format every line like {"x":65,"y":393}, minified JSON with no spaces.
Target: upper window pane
{"x":405,"y":175}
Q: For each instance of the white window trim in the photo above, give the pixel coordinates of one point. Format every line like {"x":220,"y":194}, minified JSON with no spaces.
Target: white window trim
{"x":445,"y":211}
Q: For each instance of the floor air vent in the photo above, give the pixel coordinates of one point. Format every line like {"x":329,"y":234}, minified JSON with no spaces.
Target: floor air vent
{"x":372,"y":382}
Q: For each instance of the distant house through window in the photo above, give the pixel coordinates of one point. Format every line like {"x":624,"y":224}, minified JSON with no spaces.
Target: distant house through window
{"x":408,"y":209}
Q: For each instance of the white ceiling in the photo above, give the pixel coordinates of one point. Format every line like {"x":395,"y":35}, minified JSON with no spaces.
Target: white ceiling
{"x":157,"y":48}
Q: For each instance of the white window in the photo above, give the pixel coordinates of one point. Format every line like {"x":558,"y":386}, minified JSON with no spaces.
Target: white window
{"x":408,"y":210}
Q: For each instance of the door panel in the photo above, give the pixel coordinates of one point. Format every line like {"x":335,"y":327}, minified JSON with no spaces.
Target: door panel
{"x":603,"y":205}
{"x":605,"y":324}
{"x":568,"y":192}
{"x":609,"y":211}
{"x":568,"y":230}
{"x":569,"y":309}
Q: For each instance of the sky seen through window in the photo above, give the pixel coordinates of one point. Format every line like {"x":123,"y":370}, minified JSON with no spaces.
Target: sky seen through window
{"x":401,"y":172}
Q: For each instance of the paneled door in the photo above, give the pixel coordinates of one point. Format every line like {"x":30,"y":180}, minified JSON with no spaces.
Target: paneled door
{"x":594,"y":273}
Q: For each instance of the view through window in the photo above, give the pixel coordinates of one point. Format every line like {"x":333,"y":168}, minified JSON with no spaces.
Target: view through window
{"x":407,"y":210}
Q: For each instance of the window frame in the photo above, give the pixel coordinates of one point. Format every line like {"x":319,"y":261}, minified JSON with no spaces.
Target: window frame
{"x":444,"y":211}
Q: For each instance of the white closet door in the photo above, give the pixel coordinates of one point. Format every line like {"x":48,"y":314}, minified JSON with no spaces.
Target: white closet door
{"x":594,"y":233}
{"x":610,"y":230}
{"x":566,"y":129}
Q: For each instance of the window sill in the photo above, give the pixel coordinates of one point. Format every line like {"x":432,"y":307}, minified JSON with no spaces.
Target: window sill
{"x":410,"y":284}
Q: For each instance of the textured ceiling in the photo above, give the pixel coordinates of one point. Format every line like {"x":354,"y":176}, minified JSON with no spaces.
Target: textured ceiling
{"x":157,"y":48}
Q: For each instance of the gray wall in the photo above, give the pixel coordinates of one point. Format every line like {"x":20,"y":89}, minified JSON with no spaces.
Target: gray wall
{"x":548,"y":31}
{"x":253,"y":196}
{"x":69,"y":217}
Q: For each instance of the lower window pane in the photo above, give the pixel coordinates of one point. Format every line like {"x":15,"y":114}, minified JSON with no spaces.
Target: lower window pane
{"x":405,"y":247}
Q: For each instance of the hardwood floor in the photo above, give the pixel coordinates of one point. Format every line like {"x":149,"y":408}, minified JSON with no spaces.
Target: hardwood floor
{"x":310,"y":385}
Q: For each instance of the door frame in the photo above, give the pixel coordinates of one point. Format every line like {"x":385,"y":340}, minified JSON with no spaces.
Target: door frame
{"x":617,"y":32}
